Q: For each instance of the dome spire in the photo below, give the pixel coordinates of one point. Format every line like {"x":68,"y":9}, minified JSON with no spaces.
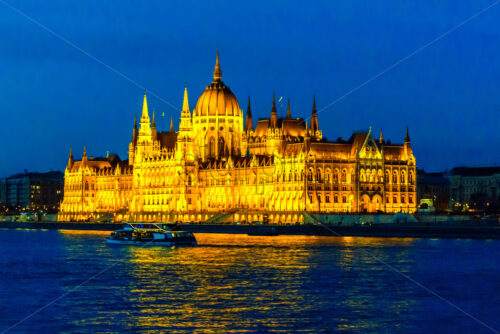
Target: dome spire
{"x":217,"y":71}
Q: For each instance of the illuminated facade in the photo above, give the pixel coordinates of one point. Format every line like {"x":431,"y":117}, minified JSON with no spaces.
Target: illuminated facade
{"x":219,"y":166}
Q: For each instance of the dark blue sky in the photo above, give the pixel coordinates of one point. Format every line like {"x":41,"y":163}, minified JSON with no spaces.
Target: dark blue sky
{"x":53,"y":96}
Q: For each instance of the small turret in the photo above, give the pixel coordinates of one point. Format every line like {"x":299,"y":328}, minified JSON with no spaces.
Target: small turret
{"x":171,"y":125}
{"x":84,"y":156}
{"x":407,"y":145}
{"x":381,"y":139}
{"x":248,"y":120}
{"x":288,"y":113}
{"x":274,"y":114}
{"x":153,"y":127}
{"x":134,"y":131}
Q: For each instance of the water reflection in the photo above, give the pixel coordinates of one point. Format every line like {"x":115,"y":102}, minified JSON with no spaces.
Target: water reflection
{"x":236,"y":282}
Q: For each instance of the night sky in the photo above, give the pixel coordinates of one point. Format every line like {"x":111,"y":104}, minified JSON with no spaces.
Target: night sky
{"x":53,"y":97}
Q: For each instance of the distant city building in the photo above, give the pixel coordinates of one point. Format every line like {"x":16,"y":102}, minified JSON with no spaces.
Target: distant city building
{"x":32,"y":191}
{"x":219,"y":163}
{"x":433,"y":189}
{"x":475,"y":189}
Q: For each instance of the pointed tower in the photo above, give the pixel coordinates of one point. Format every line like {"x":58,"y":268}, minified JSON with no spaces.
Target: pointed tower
{"x":274,"y":114}
{"x":407,"y":135}
{"x":248,"y":120}
{"x":381,"y":139}
{"x":288,"y":113}
{"x":185,"y":147}
{"x":71,"y":161}
{"x":171,"y":125}
{"x":145,"y":127}
{"x":314,"y":119}
{"x":185,"y":124}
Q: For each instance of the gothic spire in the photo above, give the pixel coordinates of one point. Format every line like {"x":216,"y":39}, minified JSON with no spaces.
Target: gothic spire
{"x":70,"y":160}
{"x":314,"y":118}
{"x":217,"y":71}
{"x":185,"y":102}
{"x":248,"y":121}
{"x":145,"y":114}
{"x":171,"y":125}
{"x":381,"y":139}
{"x":288,"y":113}
{"x":407,"y":136}
{"x":84,"y":157}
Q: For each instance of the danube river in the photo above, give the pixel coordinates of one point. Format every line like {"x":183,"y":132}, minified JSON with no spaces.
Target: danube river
{"x":241,"y":284}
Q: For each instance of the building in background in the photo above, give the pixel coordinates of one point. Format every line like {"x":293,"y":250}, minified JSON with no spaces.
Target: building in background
{"x":220,"y":165}
{"x":433,"y":192}
{"x":32,"y":192}
{"x":475,"y":189}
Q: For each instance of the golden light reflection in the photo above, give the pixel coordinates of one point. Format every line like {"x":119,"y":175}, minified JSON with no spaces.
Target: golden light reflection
{"x":238,"y":279}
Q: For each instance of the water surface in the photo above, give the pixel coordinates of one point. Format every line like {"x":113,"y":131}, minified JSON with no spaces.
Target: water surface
{"x":242,"y":284}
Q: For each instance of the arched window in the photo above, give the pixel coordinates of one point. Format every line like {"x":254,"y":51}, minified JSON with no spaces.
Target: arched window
{"x":86,"y":185}
{"x":211,"y":147}
{"x":328,"y":175}
{"x":362,"y":176}
{"x":410,"y":177}
{"x":221,"y":146}
{"x":319,"y":176}
{"x":310,"y":175}
{"x":395,"y":177}
{"x":403,"y":179}
{"x":387,"y":176}
{"x":336,"y":176}
{"x":344,"y":175}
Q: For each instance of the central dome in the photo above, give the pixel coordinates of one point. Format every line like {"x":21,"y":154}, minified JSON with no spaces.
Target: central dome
{"x":217,"y":99}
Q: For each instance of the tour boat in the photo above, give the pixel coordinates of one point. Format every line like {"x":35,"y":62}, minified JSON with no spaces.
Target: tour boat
{"x":151,"y":234}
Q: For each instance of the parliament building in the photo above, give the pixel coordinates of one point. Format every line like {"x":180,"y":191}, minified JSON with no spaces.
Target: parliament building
{"x":223,"y":165}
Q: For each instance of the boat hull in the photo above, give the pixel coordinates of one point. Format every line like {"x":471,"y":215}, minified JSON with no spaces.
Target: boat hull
{"x":150,"y":243}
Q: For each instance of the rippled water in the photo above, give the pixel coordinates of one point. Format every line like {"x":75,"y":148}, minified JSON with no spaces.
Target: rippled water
{"x":236,"y":283}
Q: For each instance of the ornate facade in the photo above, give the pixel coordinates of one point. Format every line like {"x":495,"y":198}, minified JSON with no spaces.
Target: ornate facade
{"x":219,"y":166}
